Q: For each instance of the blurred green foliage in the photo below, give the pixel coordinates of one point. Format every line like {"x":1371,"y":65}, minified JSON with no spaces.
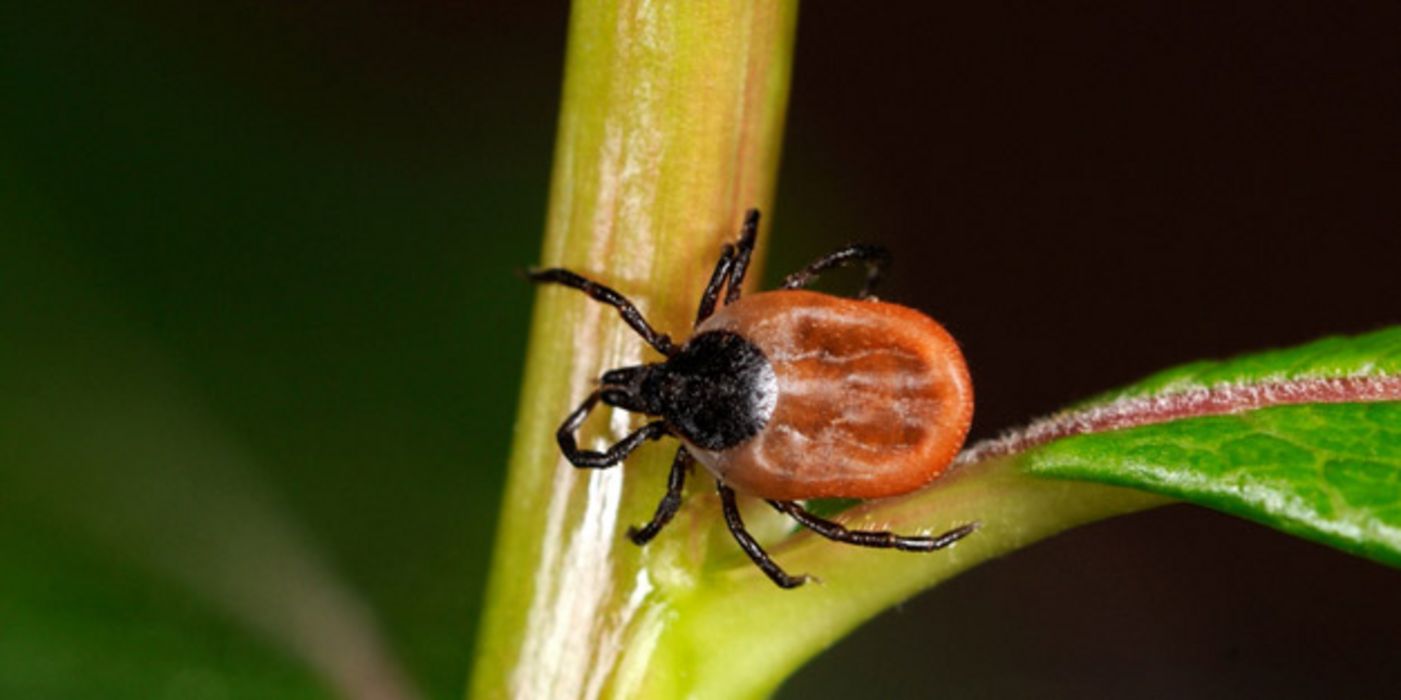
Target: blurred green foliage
{"x":235,"y":253}
{"x":258,"y":293}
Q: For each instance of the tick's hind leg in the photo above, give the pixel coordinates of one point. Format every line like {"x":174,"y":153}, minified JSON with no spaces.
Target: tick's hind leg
{"x":609,"y":296}
{"x":876,"y":259}
{"x":666,"y":510}
{"x":871,"y":538}
{"x":747,"y":543}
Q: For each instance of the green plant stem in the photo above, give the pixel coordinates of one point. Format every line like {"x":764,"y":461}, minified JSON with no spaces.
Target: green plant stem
{"x":669,"y":130}
{"x":769,"y":632}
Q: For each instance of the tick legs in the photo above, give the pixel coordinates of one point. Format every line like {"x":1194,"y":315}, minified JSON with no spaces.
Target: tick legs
{"x":732,"y":266}
{"x":590,"y":459}
{"x":743,"y":250}
{"x":876,"y":259}
{"x":716,"y":284}
{"x":869,"y":538}
{"x":670,"y":502}
{"x":607,"y":295}
{"x":747,"y":543}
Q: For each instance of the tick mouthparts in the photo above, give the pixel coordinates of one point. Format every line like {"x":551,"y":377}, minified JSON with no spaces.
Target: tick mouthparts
{"x":622,"y":388}
{"x":626,"y":378}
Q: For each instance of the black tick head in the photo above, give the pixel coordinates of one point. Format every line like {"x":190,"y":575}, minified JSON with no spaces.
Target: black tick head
{"x":716,"y":392}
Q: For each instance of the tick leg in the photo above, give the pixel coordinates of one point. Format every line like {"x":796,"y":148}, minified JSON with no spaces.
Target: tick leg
{"x":750,"y":547}
{"x":590,"y":459}
{"x":748,"y":234}
{"x":871,"y":538}
{"x":607,"y":295}
{"x":666,"y":510}
{"x":876,"y":259}
{"x":717,"y":283}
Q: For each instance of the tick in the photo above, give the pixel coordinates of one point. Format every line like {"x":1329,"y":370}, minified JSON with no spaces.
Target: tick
{"x":789,"y":395}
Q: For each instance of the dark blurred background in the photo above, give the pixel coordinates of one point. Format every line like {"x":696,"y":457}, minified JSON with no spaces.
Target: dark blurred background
{"x":255,"y":287}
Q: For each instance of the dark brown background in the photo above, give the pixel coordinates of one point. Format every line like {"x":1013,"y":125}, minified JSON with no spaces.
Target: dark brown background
{"x":1084,"y":192}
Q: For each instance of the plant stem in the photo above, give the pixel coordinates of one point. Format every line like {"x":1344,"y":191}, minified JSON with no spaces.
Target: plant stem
{"x":669,"y":129}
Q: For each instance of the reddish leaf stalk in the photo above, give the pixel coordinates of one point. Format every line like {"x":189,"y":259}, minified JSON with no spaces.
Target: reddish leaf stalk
{"x":1221,"y":399}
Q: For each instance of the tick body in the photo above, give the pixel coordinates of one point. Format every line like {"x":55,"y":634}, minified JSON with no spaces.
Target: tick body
{"x":868,"y":399}
{"x":790,"y":395}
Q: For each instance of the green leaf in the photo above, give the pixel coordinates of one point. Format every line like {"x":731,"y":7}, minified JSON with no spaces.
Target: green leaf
{"x":1329,"y":472}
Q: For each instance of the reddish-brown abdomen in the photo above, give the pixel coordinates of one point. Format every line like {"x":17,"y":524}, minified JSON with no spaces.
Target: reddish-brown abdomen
{"x":874,"y":399}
